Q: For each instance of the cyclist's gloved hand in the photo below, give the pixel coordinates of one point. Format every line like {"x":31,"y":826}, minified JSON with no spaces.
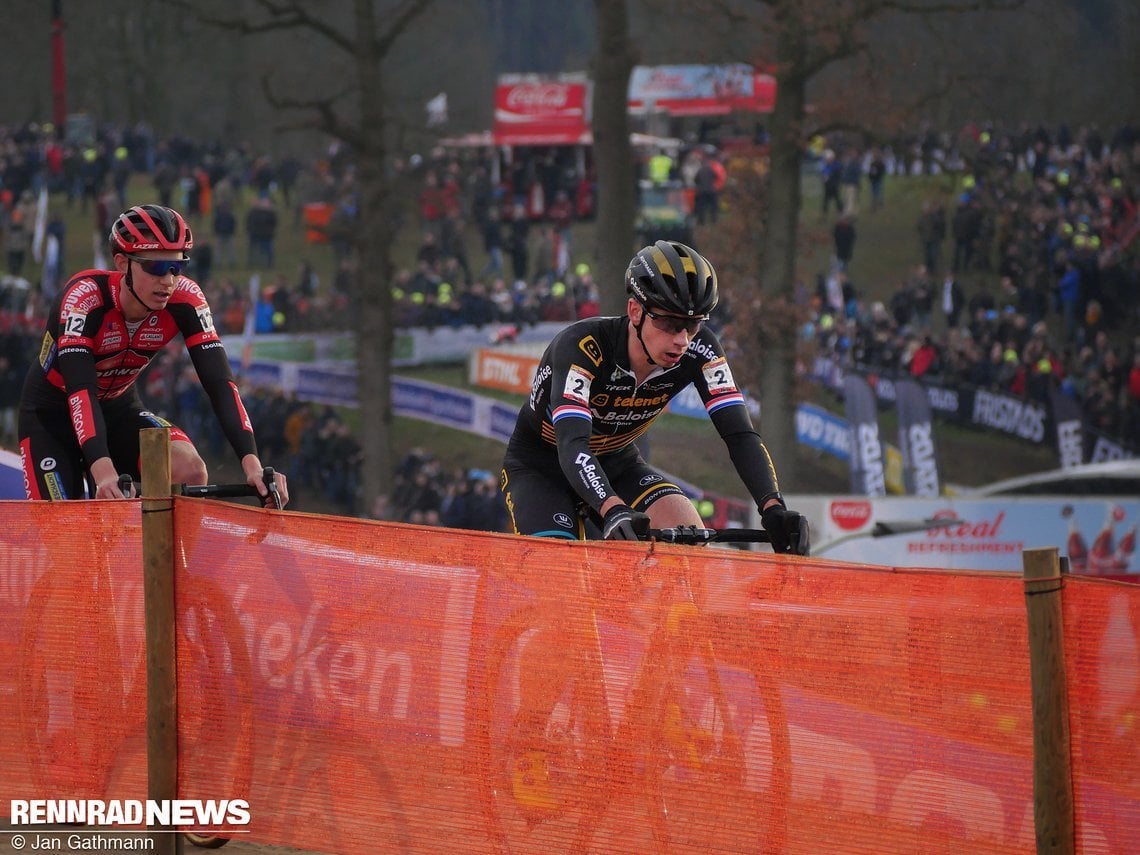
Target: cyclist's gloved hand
{"x":622,"y":522}
{"x":788,"y":530}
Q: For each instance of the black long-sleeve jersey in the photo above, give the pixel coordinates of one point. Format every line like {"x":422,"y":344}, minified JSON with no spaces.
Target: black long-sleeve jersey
{"x":585,"y":403}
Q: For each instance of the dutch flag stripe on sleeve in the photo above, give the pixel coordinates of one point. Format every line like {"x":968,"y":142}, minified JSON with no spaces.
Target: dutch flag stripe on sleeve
{"x":724,"y":401}
{"x":568,"y":411}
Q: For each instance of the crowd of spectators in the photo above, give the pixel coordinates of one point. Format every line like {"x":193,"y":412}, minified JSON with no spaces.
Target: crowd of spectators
{"x":1026,"y":276}
{"x":1030,"y":282}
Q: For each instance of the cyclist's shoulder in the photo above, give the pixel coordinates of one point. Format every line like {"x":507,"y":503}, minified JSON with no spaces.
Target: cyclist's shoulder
{"x":704,"y":347}
{"x":187,"y":291}
{"x":86,"y":286}
{"x":598,"y":338}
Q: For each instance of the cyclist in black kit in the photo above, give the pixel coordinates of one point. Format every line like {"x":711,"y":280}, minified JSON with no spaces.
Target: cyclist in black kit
{"x":600,"y":385}
{"x":80,"y":413}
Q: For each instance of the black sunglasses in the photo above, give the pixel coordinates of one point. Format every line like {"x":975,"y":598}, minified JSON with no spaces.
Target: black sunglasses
{"x":159,"y":266}
{"x":674,"y":324}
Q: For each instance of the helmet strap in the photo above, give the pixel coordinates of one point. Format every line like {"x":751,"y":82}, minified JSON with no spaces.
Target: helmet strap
{"x":135,"y":294}
{"x":640,"y":340}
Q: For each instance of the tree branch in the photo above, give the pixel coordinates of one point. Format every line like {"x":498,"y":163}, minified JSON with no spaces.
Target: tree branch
{"x":283,"y":16}
{"x":400,"y":21}
{"x":326,"y":117}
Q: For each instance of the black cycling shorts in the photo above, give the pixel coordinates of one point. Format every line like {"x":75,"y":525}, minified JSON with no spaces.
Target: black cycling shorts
{"x":54,"y":466}
{"x":541,"y":501}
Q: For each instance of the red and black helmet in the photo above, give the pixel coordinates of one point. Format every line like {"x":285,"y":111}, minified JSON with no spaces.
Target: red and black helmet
{"x":147,"y":227}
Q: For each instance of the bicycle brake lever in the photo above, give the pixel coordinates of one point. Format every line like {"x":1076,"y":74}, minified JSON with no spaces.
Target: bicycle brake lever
{"x":273,"y":497}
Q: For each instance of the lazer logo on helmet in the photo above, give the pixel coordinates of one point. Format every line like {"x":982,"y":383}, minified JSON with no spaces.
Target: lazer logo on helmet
{"x":141,"y":246}
{"x":589,"y":474}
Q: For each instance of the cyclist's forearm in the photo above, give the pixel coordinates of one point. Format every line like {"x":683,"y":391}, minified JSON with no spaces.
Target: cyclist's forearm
{"x":583,"y":470}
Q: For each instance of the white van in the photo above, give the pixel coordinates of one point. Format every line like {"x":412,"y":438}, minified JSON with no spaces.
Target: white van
{"x":1112,"y":478}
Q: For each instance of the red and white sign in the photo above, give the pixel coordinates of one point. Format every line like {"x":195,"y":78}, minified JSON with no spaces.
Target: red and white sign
{"x":701,"y":90}
{"x":850,"y":514}
{"x":541,"y":111}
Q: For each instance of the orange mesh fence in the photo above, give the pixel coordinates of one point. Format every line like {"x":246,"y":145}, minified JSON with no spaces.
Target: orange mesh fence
{"x":378,"y":687}
{"x":72,"y":663}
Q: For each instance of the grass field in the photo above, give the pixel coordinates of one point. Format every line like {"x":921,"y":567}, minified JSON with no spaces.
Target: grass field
{"x":886,"y":250}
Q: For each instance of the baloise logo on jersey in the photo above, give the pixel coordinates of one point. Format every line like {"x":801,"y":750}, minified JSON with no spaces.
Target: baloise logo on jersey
{"x":588,"y":471}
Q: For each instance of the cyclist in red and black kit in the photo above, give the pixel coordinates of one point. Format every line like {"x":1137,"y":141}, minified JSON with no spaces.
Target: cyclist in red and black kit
{"x":80,"y":412}
{"x":600,"y":385}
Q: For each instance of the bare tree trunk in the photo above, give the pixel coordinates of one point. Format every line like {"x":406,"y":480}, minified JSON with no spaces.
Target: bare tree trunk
{"x":613,"y":154}
{"x":373,"y":319}
{"x":374,"y":331}
{"x":777,"y":278}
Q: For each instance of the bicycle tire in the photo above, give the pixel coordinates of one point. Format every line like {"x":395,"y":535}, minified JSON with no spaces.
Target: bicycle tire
{"x":202,"y":599}
{"x":721,"y":781}
{"x":495,"y":744}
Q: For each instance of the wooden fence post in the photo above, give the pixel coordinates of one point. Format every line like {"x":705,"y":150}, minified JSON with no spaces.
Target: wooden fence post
{"x":158,"y":596}
{"x":1053,"y":812}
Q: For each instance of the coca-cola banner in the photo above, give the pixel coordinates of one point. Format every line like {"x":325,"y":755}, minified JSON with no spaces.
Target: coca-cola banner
{"x":867,"y":475}
{"x":916,"y":440}
{"x":536,"y":110}
{"x":1068,"y":427}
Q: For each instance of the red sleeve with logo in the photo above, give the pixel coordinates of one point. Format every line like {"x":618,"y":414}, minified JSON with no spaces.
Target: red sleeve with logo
{"x":80,"y":316}
{"x":191,"y":312}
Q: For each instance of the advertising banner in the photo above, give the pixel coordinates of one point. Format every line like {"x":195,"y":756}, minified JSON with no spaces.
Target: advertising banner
{"x":819,"y":429}
{"x":536,"y":110}
{"x":1068,"y":427}
{"x":867,"y":475}
{"x":11,"y":476}
{"x":1097,"y":535}
{"x":700,"y":90}
{"x":916,"y":440}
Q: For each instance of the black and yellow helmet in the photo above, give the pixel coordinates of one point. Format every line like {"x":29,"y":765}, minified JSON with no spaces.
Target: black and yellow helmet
{"x":672,"y":277}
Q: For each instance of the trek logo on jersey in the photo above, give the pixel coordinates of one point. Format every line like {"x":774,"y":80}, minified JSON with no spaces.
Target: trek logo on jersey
{"x":577,"y":387}
{"x":717,"y":377}
{"x":592,"y":349}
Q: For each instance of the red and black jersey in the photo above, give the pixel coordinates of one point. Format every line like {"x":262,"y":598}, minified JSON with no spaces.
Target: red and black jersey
{"x":91,"y":354}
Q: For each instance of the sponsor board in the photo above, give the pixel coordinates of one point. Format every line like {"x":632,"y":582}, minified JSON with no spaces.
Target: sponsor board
{"x":1097,"y":535}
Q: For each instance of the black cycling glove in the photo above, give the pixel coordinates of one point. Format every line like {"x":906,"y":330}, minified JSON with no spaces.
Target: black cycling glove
{"x":788,"y":530}
{"x":622,"y":522}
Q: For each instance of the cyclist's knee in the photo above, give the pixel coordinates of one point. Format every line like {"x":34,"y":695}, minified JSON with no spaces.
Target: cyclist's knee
{"x":673,"y":510}
{"x":186,"y":465}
